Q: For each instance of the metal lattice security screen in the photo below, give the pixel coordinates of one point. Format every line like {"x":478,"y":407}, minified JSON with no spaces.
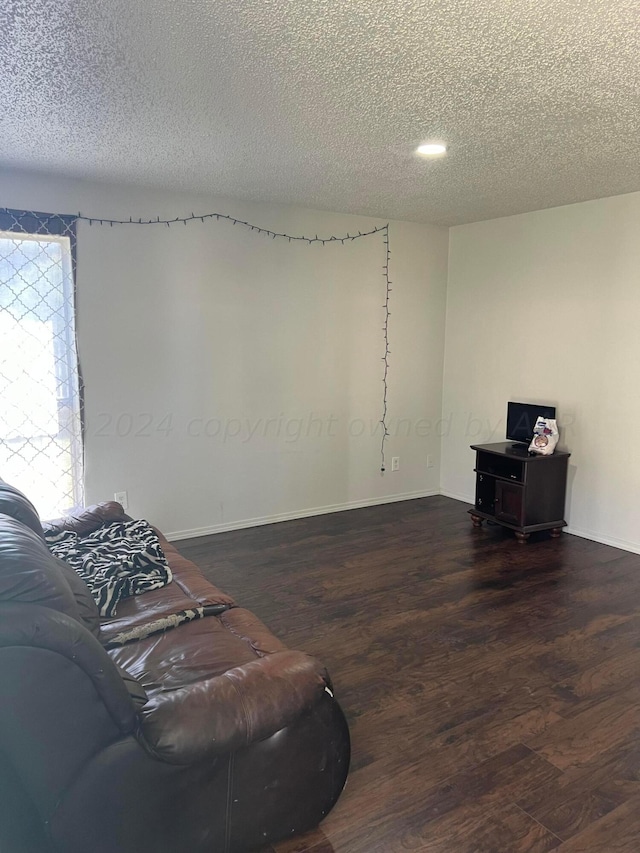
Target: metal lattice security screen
{"x":40,"y":406}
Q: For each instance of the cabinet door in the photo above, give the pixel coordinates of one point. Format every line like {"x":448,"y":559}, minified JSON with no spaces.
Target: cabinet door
{"x":510,"y":502}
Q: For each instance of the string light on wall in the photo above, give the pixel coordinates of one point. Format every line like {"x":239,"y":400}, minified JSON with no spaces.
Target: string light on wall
{"x":344,"y":238}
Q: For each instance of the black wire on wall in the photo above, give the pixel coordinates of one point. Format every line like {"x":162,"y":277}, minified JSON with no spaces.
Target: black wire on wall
{"x":382,"y":229}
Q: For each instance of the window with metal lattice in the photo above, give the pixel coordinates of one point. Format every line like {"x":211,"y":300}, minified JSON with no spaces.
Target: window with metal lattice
{"x":40,"y":389}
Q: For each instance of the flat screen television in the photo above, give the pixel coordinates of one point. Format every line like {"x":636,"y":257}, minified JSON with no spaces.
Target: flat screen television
{"x":521,"y":419}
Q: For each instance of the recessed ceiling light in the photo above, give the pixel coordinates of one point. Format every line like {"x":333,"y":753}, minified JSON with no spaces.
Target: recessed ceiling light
{"x":431,"y":149}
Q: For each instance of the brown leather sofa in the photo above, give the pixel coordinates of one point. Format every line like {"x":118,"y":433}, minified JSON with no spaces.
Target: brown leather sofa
{"x":210,"y":737}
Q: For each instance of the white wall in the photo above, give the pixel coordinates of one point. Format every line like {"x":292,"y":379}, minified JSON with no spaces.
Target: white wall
{"x":210,"y":323}
{"x":544,"y":307}
{"x":280,"y":344}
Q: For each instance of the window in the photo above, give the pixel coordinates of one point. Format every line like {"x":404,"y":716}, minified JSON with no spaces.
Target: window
{"x":40,"y":403}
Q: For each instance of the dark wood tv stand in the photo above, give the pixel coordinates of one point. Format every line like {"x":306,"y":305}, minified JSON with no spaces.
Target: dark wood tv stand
{"x":522,"y":492}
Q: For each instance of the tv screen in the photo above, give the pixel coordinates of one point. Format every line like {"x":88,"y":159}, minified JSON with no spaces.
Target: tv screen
{"x":521,"y":419}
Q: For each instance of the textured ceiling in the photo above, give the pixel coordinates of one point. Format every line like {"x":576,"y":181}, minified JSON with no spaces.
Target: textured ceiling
{"x":322,"y":102}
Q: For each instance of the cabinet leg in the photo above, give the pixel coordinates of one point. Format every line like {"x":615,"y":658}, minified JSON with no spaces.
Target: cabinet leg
{"x":477,"y":521}
{"x":556,"y":531}
{"x":522,"y":537}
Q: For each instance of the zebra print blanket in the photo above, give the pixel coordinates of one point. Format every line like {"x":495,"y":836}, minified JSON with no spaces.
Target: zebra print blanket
{"x":122,"y":558}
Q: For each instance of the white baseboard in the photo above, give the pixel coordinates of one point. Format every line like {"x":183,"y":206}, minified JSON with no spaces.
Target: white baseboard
{"x":466,"y":499}
{"x":290,"y":516}
{"x":623,"y":544}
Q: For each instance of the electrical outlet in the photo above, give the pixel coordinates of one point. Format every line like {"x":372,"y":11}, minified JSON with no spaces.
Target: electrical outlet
{"x":429,"y":461}
{"x":121,"y":498}
{"x":395,"y":463}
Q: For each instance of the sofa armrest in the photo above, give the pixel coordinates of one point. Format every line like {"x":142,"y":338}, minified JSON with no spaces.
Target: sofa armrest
{"x":63,"y":701}
{"x":33,"y":626}
{"x":223,"y":714}
{"x":86,"y":520}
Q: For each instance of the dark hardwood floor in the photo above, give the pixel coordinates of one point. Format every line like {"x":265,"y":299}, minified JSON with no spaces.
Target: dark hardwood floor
{"x":492,"y":690}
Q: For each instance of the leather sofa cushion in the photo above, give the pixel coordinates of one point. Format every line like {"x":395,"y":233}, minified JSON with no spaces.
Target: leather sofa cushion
{"x":87,"y":608}
{"x":139,"y":610}
{"x":190,"y":578}
{"x":15,"y":504}
{"x":197,"y":651}
{"x":86,"y":520}
{"x":188,"y":589}
{"x":29,"y":573}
